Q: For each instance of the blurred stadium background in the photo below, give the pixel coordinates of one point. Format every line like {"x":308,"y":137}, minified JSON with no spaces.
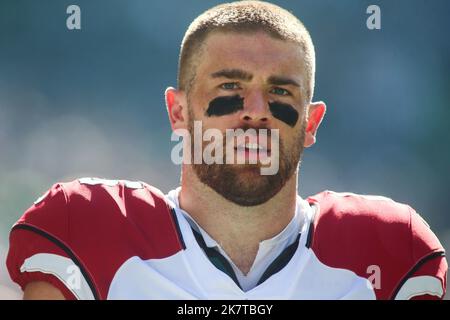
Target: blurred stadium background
{"x":90,"y":102}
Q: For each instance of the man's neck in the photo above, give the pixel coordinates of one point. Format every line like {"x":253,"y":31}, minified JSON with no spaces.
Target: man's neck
{"x":237,"y":229}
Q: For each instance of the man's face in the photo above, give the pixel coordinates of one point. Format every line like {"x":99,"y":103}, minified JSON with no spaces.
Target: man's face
{"x":250,"y":81}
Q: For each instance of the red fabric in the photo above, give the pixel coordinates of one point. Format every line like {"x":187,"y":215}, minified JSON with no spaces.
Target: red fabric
{"x":355,"y":232}
{"x":102,"y":225}
{"x":424,"y":242}
{"x":436,"y":267}
{"x":24,"y":244}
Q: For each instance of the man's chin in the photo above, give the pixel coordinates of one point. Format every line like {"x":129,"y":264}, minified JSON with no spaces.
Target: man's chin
{"x":245,"y":169}
{"x":241,"y":184}
{"x":250,"y":193}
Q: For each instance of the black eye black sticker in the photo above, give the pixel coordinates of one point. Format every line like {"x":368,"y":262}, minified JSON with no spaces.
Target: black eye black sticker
{"x":221,"y":106}
{"x":284,"y":112}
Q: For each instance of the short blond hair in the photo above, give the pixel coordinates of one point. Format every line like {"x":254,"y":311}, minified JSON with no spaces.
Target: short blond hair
{"x":244,"y":17}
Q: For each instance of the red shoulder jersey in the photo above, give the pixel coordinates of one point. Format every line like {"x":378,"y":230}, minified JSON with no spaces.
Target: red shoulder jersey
{"x":383,"y":240}
{"x":110,"y":239}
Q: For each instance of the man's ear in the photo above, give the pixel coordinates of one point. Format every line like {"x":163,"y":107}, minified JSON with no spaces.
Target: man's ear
{"x":316,"y":112}
{"x":176,"y":104}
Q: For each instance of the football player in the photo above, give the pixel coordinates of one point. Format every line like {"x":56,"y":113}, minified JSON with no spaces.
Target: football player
{"x":229,"y":232}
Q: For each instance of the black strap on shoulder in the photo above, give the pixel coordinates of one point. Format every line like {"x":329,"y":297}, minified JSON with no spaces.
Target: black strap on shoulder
{"x":216,"y":258}
{"x":221,"y":263}
{"x":177,"y":227}
{"x":309,"y":237}
{"x":281,"y":261}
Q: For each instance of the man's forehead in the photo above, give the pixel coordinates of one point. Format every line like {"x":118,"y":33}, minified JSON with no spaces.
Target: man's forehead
{"x":247,"y":76}
{"x":255,"y":54}
{"x":242,"y":44}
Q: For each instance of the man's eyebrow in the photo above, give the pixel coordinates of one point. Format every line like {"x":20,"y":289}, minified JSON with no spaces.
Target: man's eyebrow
{"x":282,"y":81}
{"x":233,"y":74}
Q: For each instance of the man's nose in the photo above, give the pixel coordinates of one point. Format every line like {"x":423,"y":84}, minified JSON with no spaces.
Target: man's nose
{"x":256,"y":108}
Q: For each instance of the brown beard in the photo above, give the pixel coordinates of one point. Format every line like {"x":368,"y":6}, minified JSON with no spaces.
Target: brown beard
{"x":243,"y":184}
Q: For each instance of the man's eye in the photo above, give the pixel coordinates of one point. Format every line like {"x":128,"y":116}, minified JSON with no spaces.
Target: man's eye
{"x":229,"y":86}
{"x":280,"y":92}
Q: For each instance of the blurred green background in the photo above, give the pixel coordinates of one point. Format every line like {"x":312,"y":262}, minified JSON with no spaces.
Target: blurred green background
{"x":90,"y":102}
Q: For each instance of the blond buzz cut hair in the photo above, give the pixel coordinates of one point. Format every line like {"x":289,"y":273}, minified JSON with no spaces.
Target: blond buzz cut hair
{"x":244,"y":17}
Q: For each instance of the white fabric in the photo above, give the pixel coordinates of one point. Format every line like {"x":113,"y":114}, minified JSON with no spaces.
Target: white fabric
{"x":188,"y":274}
{"x":64,"y":269}
{"x":418,"y":286}
{"x":268,"y":249}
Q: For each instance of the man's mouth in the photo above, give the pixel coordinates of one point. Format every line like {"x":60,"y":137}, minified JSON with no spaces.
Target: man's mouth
{"x":252,"y":147}
{"x":252,"y":152}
